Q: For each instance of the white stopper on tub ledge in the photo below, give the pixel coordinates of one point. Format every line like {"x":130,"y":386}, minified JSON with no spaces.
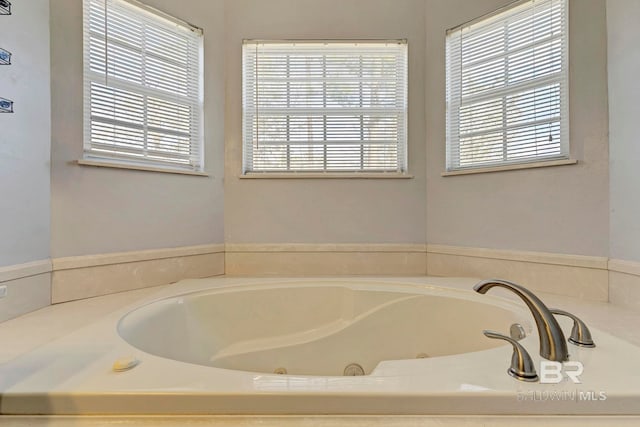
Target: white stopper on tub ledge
{"x":125,"y":363}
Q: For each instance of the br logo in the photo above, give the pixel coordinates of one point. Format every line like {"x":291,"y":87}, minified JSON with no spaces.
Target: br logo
{"x":554,"y":372}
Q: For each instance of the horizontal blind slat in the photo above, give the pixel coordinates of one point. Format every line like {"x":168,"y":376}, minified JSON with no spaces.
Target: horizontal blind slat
{"x":507,"y":87}
{"x":334,"y":106}
{"x":143,"y":77}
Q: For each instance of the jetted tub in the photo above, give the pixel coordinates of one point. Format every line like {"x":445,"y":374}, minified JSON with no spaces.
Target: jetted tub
{"x":240,"y":346}
{"x":315,"y":329}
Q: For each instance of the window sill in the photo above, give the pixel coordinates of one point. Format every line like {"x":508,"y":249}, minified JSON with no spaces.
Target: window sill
{"x":116,"y":165}
{"x":517,"y":166}
{"x":328,"y":175}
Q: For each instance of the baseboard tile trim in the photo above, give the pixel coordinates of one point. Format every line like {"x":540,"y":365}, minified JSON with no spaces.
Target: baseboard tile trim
{"x":552,"y":277}
{"x":624,"y":266}
{"x":321,"y":263}
{"x":25,"y":294}
{"x":324,"y":247}
{"x":595,"y":262}
{"x":587,"y":277}
{"x":84,"y":261}
{"x":19,"y":271}
{"x":86,"y":282}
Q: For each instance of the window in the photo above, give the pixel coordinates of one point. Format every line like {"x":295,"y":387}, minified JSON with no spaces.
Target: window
{"x":142,"y":86}
{"x":324,"y":106}
{"x":507,"y":90}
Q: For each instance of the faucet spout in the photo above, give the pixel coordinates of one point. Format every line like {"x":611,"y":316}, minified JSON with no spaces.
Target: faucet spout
{"x":553,"y":345}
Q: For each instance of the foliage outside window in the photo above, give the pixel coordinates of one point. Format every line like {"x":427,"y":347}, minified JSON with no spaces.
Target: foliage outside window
{"x":143,"y":87}
{"x":507,"y":87}
{"x":311,"y":106}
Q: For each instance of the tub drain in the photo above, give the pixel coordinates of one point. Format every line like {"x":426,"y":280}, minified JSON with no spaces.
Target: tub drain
{"x":353,"y":370}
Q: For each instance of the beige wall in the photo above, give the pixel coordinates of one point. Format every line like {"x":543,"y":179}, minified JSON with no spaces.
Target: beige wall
{"x":623,"y":17}
{"x":25,"y":135}
{"x":324,"y":210}
{"x":101,"y":210}
{"x":561,"y":209}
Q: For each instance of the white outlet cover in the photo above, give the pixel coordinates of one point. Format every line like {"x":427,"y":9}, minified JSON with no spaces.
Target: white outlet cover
{"x":3,"y":291}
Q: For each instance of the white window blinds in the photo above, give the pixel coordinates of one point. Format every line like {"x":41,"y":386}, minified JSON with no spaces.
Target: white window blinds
{"x":143,"y":86}
{"x":324,"y":106}
{"x":507,"y":90}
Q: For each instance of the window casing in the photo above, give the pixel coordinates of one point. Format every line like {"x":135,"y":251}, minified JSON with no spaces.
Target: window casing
{"x":311,"y":106}
{"x":507,"y":87}
{"x":142,"y":87}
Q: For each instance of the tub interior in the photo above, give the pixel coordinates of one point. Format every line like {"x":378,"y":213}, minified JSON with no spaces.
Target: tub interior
{"x":314,"y":330}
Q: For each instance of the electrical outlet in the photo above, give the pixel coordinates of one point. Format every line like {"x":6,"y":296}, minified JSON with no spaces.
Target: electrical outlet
{"x":3,"y":291}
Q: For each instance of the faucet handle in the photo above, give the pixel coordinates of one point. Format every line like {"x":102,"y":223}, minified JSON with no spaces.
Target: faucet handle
{"x":522,"y":367}
{"x":580,"y":334}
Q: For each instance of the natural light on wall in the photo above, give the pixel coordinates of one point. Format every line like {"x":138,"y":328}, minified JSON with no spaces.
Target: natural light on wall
{"x":507,"y":87}
{"x":312,"y":106}
{"x":143,"y":87}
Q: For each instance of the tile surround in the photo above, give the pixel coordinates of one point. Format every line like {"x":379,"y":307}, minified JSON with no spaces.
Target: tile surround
{"x":325,"y":259}
{"x":92,"y":281}
{"x":25,"y":294}
{"x":72,"y":278}
{"x":582,"y":276}
{"x":624,"y":283}
{"x":578,"y":276}
{"x":19,"y":271}
{"x":94,"y":275}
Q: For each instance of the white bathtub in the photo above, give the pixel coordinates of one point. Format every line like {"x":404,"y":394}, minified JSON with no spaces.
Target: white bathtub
{"x":316,"y":328}
{"x":215,"y":351}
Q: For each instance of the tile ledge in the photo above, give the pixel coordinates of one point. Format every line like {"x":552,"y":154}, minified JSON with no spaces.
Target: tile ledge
{"x":595,"y":262}
{"x":19,"y":271}
{"x":325,"y":247}
{"x":83,"y":261}
{"x":624,"y":266}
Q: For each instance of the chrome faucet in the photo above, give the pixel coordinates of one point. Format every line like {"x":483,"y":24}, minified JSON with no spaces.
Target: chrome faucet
{"x":553,"y":345}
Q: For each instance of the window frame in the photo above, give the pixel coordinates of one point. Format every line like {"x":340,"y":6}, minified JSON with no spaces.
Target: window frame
{"x":248,"y":171}
{"x":453,"y":106}
{"x":174,"y":158}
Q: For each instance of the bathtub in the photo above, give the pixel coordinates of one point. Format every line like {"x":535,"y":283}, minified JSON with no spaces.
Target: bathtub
{"x":304,"y":346}
{"x":316,"y":329}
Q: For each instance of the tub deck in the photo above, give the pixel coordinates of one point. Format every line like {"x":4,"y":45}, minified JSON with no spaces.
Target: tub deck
{"x":58,"y":361}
